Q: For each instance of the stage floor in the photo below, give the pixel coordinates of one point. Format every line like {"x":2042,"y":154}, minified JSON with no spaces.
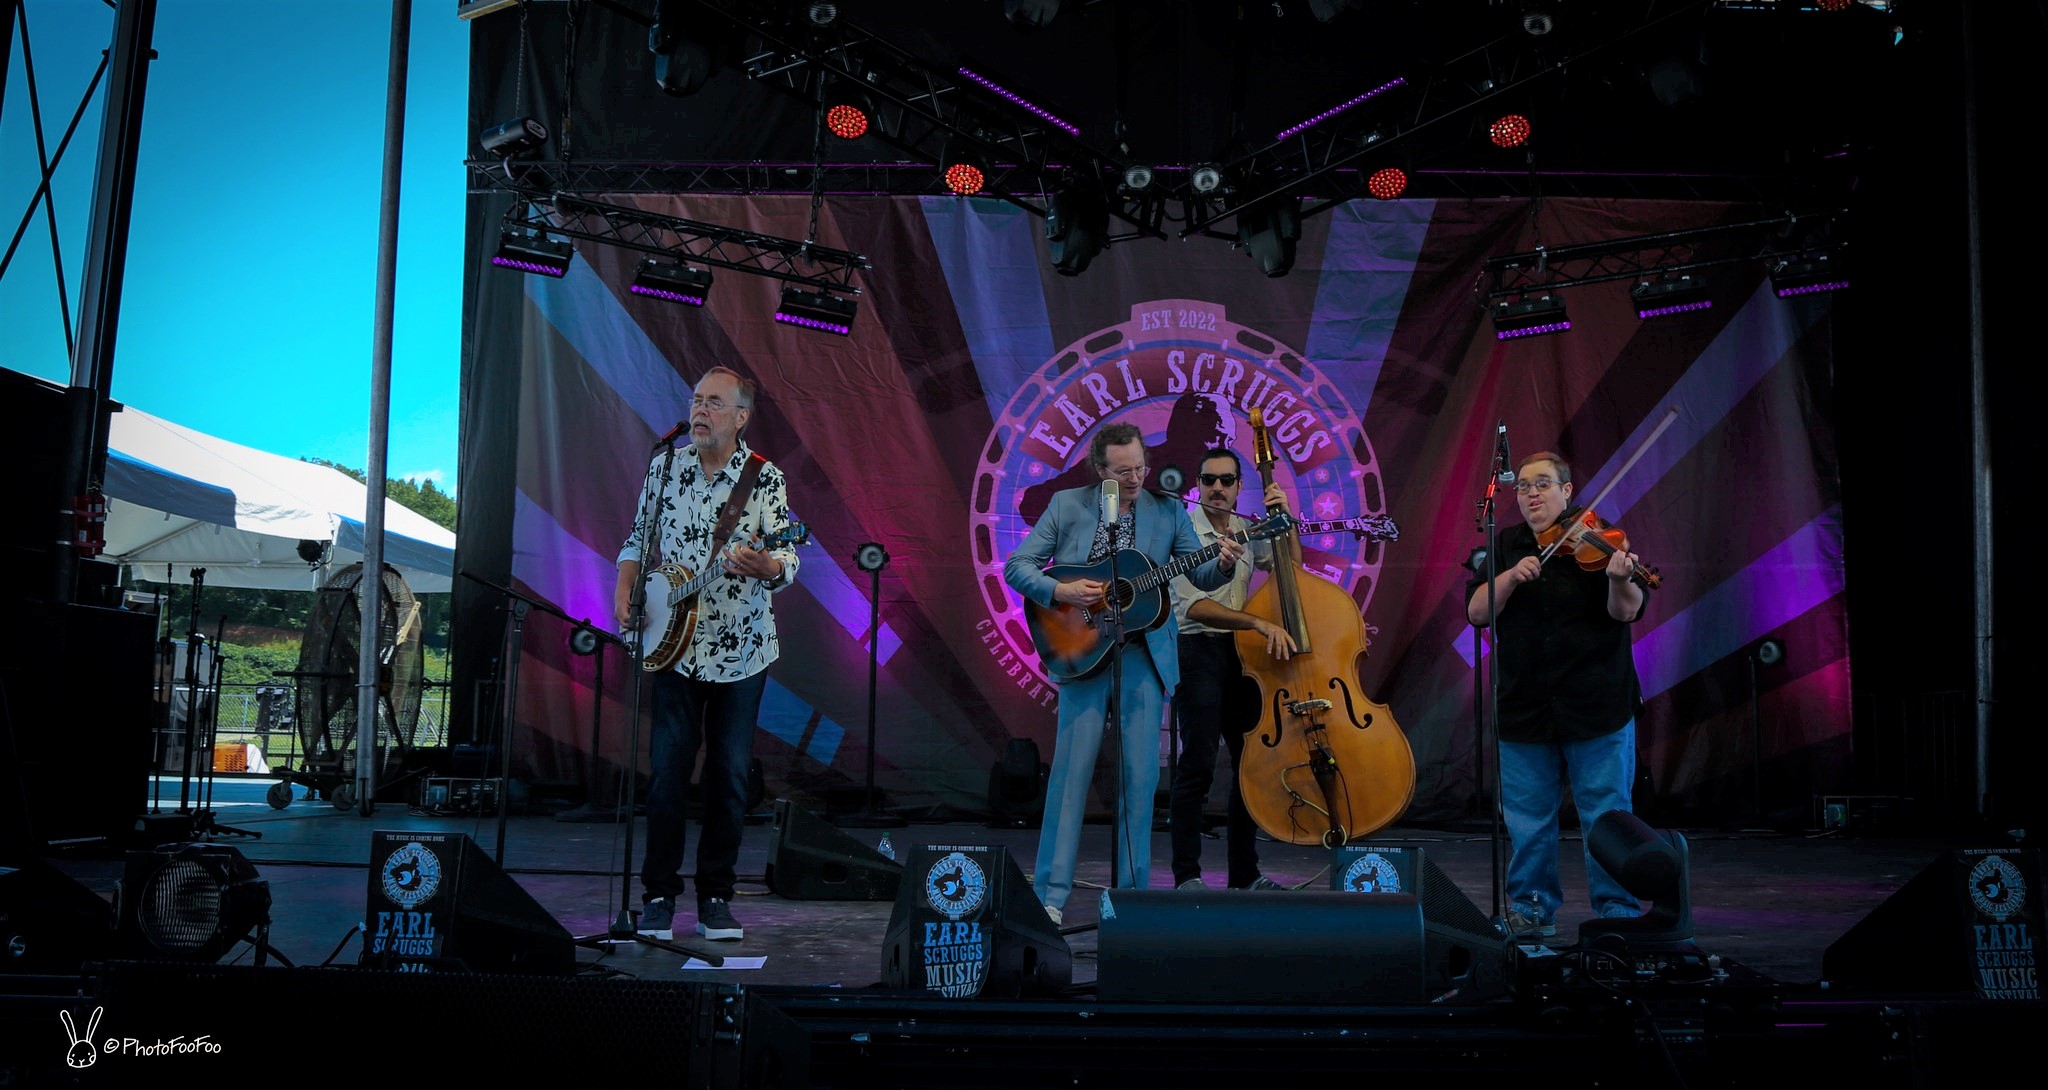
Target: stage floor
{"x":1772,"y":903}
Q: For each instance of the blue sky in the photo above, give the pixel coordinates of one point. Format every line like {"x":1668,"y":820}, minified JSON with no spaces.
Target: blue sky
{"x":250,"y":292}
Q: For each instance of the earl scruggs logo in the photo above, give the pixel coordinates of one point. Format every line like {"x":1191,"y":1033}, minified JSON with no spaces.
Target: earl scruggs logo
{"x":1188,"y":378}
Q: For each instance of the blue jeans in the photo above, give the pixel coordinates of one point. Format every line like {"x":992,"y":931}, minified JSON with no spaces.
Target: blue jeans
{"x":720,"y":716}
{"x":1533,"y":776}
{"x":1084,"y":705}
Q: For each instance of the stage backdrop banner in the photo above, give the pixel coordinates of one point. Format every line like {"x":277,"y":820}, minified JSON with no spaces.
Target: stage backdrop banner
{"x":975,"y":377}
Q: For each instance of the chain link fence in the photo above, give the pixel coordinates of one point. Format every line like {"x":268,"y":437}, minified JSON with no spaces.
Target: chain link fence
{"x":265,"y":716}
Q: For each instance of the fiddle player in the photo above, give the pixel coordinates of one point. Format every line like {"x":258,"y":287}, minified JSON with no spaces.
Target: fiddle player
{"x":1073,"y":530}
{"x":1568,"y":696}
{"x":1215,"y":700}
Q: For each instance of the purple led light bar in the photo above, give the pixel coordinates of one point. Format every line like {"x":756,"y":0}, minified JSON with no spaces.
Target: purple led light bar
{"x":813,"y":323}
{"x":1673,"y":308}
{"x":530,"y":266}
{"x":1532,"y":330}
{"x":671,"y":296}
{"x":1811,"y":289}
{"x":1019,"y":100}
{"x":1341,"y":107}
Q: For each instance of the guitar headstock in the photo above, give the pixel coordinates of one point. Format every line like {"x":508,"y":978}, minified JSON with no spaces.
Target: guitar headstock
{"x":1369,"y":527}
{"x":1274,"y":525}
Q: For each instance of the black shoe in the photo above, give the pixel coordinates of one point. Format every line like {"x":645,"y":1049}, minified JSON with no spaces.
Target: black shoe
{"x":715,"y":921}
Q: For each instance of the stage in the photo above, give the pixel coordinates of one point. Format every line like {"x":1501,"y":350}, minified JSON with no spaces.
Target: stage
{"x":802,"y":1000}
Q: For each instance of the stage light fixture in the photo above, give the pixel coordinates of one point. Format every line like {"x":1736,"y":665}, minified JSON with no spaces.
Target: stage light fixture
{"x":508,"y":139}
{"x":191,"y":902}
{"x":1077,"y":225}
{"x":1806,"y":274}
{"x":820,"y":310}
{"x":1669,"y":295}
{"x":1537,"y":19}
{"x":1653,"y":866}
{"x":1268,"y":229}
{"x":1511,"y":131}
{"x":1528,"y":317}
{"x":1303,"y":126}
{"x":682,"y":64}
{"x":821,"y":14}
{"x":1387,"y":183}
{"x":533,"y":253}
{"x":1019,"y":101}
{"x":1206,"y":178}
{"x":1030,"y":14}
{"x":1137,"y":178}
{"x":846,"y":121}
{"x":673,"y":282}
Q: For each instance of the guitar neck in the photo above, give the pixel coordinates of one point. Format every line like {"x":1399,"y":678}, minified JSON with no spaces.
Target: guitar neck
{"x":1186,"y":563}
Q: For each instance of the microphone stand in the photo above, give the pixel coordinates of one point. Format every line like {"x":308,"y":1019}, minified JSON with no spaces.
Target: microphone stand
{"x":1487,"y":736}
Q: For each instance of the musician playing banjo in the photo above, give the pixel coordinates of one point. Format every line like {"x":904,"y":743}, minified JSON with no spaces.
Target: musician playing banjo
{"x":1076,"y":530}
{"x":713,"y":692}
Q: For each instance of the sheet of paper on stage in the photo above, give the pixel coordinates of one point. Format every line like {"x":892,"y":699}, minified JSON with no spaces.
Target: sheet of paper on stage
{"x":730,"y":963}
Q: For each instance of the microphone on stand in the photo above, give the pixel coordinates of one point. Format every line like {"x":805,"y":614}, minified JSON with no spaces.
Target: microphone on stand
{"x":674,"y":433}
{"x":1110,"y":499}
{"x":1507,"y":464}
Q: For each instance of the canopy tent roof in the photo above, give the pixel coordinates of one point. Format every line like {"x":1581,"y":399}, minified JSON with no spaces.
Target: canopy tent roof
{"x":183,"y":499}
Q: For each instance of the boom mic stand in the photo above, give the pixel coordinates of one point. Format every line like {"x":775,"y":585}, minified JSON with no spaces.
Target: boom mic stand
{"x":1487,"y":738}
{"x":871,"y":557}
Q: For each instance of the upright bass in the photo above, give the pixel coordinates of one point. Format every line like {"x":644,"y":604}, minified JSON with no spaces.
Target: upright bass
{"x":1326,"y":763}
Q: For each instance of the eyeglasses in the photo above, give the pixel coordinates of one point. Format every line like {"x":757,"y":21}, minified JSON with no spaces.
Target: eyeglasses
{"x":1540,"y":484}
{"x":1129,"y":473}
{"x":714,"y":404}
{"x":1224,"y":479}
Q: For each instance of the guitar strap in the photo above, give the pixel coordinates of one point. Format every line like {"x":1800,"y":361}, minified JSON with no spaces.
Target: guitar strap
{"x":729,"y":516}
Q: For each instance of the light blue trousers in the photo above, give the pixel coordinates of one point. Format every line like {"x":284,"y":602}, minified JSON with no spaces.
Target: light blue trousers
{"x":1084,"y":706}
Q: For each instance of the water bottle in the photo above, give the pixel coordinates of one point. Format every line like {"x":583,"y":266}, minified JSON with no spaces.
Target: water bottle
{"x":887,"y":849}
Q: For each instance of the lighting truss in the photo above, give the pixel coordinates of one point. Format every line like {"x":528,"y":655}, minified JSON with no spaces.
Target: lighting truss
{"x":681,"y":240}
{"x":920,"y":106}
{"x":1662,"y":256}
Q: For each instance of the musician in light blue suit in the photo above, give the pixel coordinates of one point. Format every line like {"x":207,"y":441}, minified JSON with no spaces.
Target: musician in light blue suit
{"x":1073,"y":530}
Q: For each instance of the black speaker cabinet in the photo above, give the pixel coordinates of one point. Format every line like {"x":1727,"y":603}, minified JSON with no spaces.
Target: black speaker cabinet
{"x":1967,"y":924}
{"x":438,"y":903}
{"x":1392,"y":929}
{"x":49,"y":923}
{"x":814,"y":860}
{"x":966,"y":924}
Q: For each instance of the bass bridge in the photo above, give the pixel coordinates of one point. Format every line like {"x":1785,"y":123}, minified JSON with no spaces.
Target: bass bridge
{"x":1307,"y":707}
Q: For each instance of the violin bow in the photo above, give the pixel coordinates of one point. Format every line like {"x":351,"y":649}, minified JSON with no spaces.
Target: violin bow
{"x":1572,"y":535}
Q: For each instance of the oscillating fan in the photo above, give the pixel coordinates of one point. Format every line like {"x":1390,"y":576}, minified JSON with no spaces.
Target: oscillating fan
{"x":329,"y":668}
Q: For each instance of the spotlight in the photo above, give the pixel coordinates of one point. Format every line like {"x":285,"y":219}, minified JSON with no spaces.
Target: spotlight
{"x":1537,"y":20}
{"x":871,"y":556}
{"x":311,"y":551}
{"x":1528,"y":317}
{"x":682,"y":64}
{"x":816,"y":310}
{"x":1475,"y":561}
{"x":515,"y":137}
{"x":533,"y":253}
{"x":846,"y":121}
{"x":1387,"y":183}
{"x":583,"y":641}
{"x":1268,"y":230}
{"x":1653,"y":866}
{"x":1511,"y":131}
{"x":1669,"y":295}
{"x":1030,"y":14}
{"x":1807,"y":274}
{"x":1137,"y":178}
{"x":1770,"y":652}
{"x":191,"y":902}
{"x":821,"y":14}
{"x":1077,"y":225}
{"x":675,"y":283}
{"x":1206,"y":178}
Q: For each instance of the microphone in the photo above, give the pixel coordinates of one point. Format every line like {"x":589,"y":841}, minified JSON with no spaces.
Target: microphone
{"x":1109,"y":500}
{"x":1507,"y":464}
{"x":674,"y":433}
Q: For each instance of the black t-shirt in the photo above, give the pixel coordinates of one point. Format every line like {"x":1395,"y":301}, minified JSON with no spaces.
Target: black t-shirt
{"x":1566,"y":671}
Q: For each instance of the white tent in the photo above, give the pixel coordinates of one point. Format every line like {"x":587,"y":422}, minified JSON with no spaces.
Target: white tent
{"x":183,"y":498}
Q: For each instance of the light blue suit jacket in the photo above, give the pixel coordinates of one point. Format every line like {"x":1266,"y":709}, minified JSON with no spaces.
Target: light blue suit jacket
{"x":1064,"y":534}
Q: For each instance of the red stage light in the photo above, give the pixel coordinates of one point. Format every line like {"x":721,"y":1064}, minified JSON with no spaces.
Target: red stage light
{"x":1510,"y":131}
{"x":1834,"y":5}
{"x":846,"y":122}
{"x":1387,"y":183}
{"x":964,"y":179}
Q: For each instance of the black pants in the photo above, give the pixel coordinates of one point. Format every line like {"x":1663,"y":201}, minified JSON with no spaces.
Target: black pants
{"x":1215,"y":702}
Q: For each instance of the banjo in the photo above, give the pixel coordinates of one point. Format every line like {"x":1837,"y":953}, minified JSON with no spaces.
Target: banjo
{"x":671,"y":593}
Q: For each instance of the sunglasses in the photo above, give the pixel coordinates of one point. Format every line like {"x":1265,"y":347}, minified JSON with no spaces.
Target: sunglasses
{"x":1224,"y":479}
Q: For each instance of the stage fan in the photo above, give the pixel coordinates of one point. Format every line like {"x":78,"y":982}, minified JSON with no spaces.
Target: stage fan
{"x":329,"y":668}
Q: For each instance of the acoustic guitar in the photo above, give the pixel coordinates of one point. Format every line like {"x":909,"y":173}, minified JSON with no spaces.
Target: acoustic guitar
{"x":671,"y":594}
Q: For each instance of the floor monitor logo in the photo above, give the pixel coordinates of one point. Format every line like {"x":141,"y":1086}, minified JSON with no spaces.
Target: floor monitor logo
{"x":1188,"y":377}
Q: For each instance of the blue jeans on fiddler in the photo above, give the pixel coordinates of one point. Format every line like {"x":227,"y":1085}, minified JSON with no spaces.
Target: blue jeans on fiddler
{"x":1533,"y":776}
{"x":720,"y":716}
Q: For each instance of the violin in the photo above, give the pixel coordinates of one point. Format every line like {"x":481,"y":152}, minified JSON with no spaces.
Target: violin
{"x":1591,"y":540}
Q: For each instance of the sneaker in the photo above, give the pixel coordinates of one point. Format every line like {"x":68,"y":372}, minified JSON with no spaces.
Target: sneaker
{"x":1052,"y":912}
{"x":715,"y":921}
{"x":1522,"y":925}
{"x":658,"y":918}
{"x":1193,"y":883}
{"x":1263,"y":882}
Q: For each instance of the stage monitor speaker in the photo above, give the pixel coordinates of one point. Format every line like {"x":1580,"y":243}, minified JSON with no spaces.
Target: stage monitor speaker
{"x":814,"y":860}
{"x":438,"y":903}
{"x":966,"y":924}
{"x":49,"y":923}
{"x":1968,"y":924}
{"x":1391,"y":929}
